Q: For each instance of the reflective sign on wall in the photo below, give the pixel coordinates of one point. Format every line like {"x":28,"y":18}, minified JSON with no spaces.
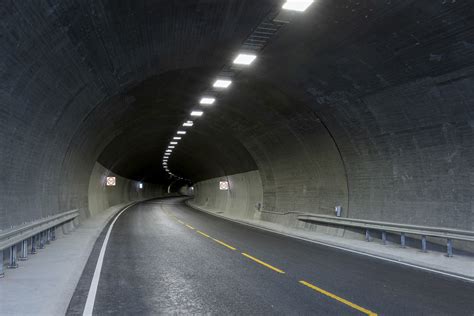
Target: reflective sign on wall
{"x":111,"y":181}
{"x":223,"y":185}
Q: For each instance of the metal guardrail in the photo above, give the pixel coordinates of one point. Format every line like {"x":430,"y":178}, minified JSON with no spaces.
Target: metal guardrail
{"x":424,"y":231}
{"x":31,"y":236}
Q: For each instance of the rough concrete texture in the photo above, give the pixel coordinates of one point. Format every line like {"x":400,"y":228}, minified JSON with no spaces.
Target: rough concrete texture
{"x":101,"y":197}
{"x":363,"y":104}
{"x":66,"y":70}
{"x":245,"y":192}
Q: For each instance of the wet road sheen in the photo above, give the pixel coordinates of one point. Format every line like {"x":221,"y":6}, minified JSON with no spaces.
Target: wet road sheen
{"x":166,"y":258}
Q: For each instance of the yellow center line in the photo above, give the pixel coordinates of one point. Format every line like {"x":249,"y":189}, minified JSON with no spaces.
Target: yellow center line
{"x":311,"y":286}
{"x":340,"y":299}
{"x":223,"y":244}
{"x":263,"y":263}
{"x":205,"y":235}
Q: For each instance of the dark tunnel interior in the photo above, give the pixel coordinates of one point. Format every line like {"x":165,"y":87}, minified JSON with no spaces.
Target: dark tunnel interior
{"x":364,"y":104}
{"x":222,"y":157}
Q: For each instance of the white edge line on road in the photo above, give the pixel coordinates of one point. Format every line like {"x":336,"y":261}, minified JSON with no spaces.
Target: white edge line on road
{"x":88,"y":308}
{"x":337,"y":247}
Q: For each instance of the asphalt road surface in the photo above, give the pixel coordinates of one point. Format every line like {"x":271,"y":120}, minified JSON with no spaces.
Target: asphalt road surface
{"x":164,"y":257}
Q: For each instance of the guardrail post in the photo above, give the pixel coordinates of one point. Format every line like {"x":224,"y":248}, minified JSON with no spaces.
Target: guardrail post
{"x":41,"y":240}
{"x":24,"y":250}
{"x":72,"y":227}
{"x":384,"y":238}
{"x":2,"y":274}
{"x":367,"y":235}
{"x":48,"y":236}
{"x":423,"y":243}
{"x":12,"y":264}
{"x":65,"y":229}
{"x":402,"y":240}
{"x":33,"y":245}
{"x":53,"y":233}
{"x":76,"y":222}
{"x":449,"y":246}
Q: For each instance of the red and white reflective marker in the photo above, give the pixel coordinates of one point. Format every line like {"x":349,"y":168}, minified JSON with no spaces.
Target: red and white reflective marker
{"x":223,"y":185}
{"x":111,"y":181}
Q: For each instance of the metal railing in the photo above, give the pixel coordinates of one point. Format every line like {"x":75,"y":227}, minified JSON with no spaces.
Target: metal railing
{"x":31,"y":236}
{"x":449,"y":234}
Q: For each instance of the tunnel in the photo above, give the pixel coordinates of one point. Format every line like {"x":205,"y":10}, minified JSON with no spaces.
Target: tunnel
{"x":237,"y":157}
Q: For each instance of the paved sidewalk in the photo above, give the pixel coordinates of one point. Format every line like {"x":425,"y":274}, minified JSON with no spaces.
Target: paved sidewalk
{"x":45,"y":283}
{"x":459,"y":265}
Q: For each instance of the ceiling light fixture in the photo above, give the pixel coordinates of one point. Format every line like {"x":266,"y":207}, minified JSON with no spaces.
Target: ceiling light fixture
{"x":181,"y":132}
{"x":207,"y":100}
{"x":221,"y":83}
{"x":297,"y":5}
{"x":188,"y":123}
{"x":177,"y":138}
{"x":244,"y":59}
{"x":197,"y":113}
{"x":173,"y":143}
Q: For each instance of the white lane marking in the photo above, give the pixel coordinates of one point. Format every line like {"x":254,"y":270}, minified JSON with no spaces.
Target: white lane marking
{"x":98,"y":268}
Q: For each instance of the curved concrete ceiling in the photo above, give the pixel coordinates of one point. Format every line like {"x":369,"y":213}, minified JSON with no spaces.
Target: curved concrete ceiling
{"x":364,"y":103}
{"x":149,"y":119}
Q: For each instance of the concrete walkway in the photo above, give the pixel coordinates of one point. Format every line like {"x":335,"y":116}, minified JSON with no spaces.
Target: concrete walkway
{"x":459,"y":265}
{"x":45,"y":283}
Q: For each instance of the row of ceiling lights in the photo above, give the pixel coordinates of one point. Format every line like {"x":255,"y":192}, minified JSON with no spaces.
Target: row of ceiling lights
{"x":243,"y":59}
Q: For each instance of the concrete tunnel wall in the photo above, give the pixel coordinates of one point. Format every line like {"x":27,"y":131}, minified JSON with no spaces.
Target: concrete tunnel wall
{"x":62,"y":107}
{"x":401,"y":173}
{"x":365,"y":158}
{"x":240,"y":201}
{"x":101,"y":196}
{"x":369,"y":118}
